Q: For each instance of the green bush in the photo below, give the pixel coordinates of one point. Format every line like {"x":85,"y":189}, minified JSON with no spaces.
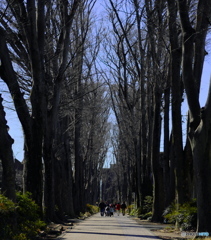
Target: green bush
{"x":144,"y":212}
{"x":135,"y":212}
{"x":147,"y":216}
{"x":130,"y":209}
{"x":7,"y":216}
{"x":28,"y":215}
{"x":147,"y":206}
{"x":185,"y":216}
{"x":92,"y":209}
{"x":19,"y":221}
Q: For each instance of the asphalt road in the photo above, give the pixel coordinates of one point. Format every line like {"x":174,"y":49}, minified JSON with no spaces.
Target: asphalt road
{"x":108,"y":228}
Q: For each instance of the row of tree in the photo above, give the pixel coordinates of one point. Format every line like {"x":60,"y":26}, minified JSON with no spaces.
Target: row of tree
{"x":151,"y":54}
{"x":48,"y":52}
{"x":155,"y":58}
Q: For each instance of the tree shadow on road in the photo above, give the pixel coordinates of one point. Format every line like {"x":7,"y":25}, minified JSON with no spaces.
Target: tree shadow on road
{"x":112,"y":234}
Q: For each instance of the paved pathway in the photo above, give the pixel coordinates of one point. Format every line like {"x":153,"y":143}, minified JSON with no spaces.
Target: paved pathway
{"x":108,"y":228}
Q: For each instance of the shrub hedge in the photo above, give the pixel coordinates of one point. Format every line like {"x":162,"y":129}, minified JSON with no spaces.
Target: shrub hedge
{"x":20,"y":220}
{"x":184,"y":216}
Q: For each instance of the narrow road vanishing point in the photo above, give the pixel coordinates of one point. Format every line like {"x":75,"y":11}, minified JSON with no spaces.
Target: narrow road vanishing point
{"x":108,"y":228}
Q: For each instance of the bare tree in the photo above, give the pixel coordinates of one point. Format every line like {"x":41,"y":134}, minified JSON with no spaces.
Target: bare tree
{"x":194,"y":33}
{"x":25,"y":28}
{"x":126,"y":59}
{"x":178,"y":157}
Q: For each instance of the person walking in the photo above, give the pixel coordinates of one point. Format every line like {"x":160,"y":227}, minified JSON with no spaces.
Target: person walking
{"x":107,"y":211}
{"x":102,"y":207}
{"x":123,"y":207}
{"x":111,"y":209}
{"x":118,"y":207}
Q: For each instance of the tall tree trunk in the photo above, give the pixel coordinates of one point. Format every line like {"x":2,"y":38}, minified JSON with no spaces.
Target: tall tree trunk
{"x":190,"y":179}
{"x":201,"y":145}
{"x":49,"y":187}
{"x":166,"y":153}
{"x":172,"y":165}
{"x":32,"y":172}
{"x":79,"y":168}
{"x":138,"y":172}
{"x":6,"y":157}
{"x":63,"y":169}
{"x":157,"y":168}
{"x":175,"y":64}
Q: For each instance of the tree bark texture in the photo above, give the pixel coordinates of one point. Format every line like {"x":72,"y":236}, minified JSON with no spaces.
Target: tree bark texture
{"x":157,"y":162}
{"x":6,"y":157}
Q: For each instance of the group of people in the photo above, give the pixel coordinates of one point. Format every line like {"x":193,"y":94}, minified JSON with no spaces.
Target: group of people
{"x":107,"y":209}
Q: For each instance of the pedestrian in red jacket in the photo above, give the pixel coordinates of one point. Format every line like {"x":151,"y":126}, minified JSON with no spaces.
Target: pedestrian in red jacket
{"x":118,"y":207}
